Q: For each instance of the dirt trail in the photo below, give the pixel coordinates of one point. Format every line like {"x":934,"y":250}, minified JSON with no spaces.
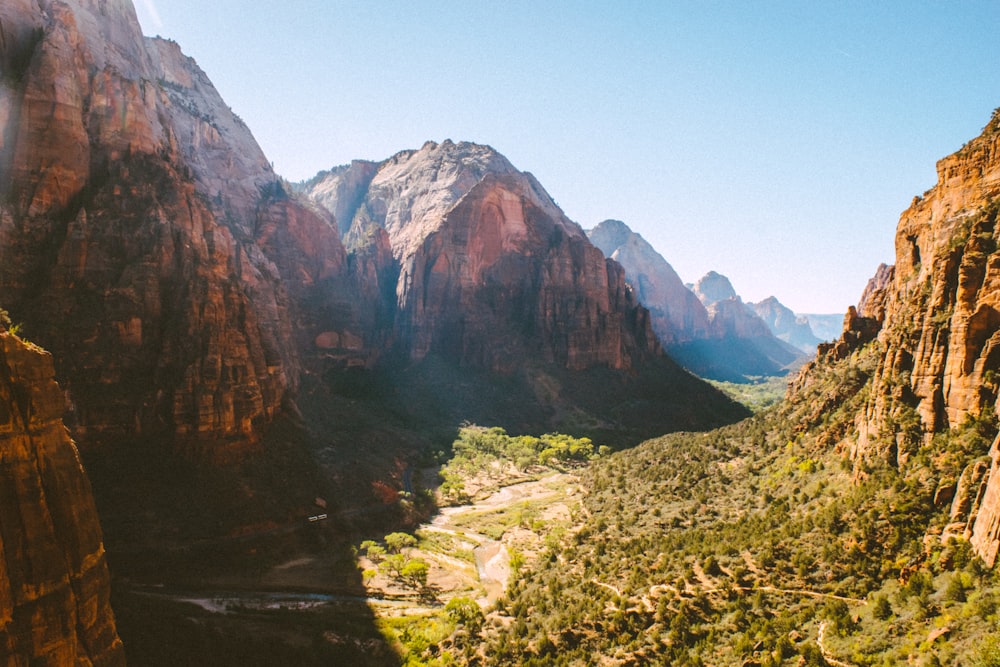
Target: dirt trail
{"x":820,"y":637}
{"x":492,"y":557}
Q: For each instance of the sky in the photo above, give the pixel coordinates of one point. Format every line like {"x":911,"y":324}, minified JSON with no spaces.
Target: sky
{"x":774,"y":142}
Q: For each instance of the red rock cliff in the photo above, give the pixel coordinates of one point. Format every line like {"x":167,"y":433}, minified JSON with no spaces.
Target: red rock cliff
{"x":940,"y":306}
{"x":54,"y":583}
{"x":490,"y":271}
{"x":146,"y":242}
{"x":936,"y":316}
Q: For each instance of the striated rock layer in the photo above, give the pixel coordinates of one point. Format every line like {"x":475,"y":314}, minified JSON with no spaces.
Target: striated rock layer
{"x":145,"y":240}
{"x":54,"y":584}
{"x":936,"y":317}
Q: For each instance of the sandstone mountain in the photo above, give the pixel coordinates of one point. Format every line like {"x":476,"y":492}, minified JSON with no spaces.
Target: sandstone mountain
{"x":54,"y":584}
{"x":707,"y":329}
{"x":490,"y":275}
{"x":786,"y":325}
{"x":936,"y":316}
{"x":192,"y":302}
{"x":678,"y":315}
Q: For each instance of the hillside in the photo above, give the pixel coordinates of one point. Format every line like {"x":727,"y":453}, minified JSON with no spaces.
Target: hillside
{"x":854,"y":524}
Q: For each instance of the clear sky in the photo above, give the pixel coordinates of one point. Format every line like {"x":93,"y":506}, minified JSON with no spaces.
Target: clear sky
{"x":774,"y":142}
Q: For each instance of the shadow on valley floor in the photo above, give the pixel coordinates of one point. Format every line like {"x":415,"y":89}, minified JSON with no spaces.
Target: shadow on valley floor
{"x":251,"y":561}
{"x":192,"y":550}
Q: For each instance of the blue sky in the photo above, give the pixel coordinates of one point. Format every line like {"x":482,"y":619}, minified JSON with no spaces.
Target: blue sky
{"x":774,"y":142}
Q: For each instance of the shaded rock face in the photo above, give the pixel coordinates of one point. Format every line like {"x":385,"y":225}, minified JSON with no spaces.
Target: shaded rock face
{"x":677,"y":314}
{"x":54,"y":583}
{"x":146,"y":242}
{"x":786,"y":325}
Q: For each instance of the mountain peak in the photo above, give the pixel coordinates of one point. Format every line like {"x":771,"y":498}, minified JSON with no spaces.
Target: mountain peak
{"x":714,"y":287}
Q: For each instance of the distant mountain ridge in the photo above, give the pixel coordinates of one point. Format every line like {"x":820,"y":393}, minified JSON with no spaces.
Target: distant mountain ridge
{"x":706,"y":327}
{"x":786,"y":325}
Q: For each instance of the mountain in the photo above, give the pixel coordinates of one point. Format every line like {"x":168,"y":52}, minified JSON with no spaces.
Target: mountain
{"x":491,"y":276}
{"x":677,"y":314}
{"x":826,"y":327}
{"x":707,"y":329}
{"x":54,"y":584}
{"x":786,"y":325}
{"x":209,"y":327}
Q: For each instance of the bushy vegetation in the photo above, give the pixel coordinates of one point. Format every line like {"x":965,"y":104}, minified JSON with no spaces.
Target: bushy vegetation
{"x":762,"y":543}
{"x":493,"y":456}
{"x":758,"y":393}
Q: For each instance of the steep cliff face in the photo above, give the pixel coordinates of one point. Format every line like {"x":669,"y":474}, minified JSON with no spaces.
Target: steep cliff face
{"x":678,"y":315}
{"x":491,"y":272}
{"x":936,"y":318}
{"x":146,"y":242}
{"x":786,"y":325}
{"x":940,"y":306}
{"x":490,"y":275}
{"x":54,"y":584}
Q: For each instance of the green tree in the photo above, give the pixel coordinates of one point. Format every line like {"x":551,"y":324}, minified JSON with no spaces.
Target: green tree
{"x":396,"y":542}
{"x":415,"y":573}
{"x":881,"y":609}
{"x":374,"y":551}
{"x":465,"y":611}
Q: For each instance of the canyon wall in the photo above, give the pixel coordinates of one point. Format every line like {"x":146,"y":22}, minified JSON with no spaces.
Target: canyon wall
{"x":54,"y":584}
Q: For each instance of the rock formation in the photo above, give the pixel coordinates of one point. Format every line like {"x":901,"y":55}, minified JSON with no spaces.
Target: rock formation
{"x":185,"y":290}
{"x":740,"y":344}
{"x":786,"y":325}
{"x":54,"y":584}
{"x":939,"y":305}
{"x":491,"y":273}
{"x":984,"y":515}
{"x":146,"y":241}
{"x":936,"y":315}
{"x":678,"y":315}
{"x":706,"y":327}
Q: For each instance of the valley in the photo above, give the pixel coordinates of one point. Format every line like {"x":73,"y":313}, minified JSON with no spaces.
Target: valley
{"x":409,"y":412}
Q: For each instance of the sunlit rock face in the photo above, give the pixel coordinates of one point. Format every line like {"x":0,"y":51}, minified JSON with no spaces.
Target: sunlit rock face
{"x":939,"y":307}
{"x":490,"y":270}
{"x":54,"y":584}
{"x":146,"y":241}
{"x":936,"y":315}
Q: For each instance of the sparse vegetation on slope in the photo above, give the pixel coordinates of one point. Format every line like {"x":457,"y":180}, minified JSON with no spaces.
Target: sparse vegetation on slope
{"x":761,"y":543}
